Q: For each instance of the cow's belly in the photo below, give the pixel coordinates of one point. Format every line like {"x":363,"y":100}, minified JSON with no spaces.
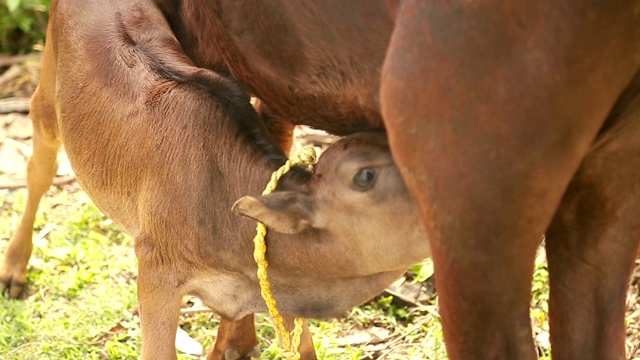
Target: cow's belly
{"x":310,"y":62}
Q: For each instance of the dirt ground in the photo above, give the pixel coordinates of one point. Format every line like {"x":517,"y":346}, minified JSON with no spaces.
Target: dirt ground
{"x":18,"y":78}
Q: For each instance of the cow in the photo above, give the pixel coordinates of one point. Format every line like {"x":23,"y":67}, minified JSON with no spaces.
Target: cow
{"x":506,"y":120}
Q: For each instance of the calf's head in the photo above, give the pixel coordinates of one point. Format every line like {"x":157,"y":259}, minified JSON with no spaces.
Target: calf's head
{"x":356,"y":200}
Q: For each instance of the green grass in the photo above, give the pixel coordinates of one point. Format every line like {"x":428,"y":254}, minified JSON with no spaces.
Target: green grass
{"x":81,"y":299}
{"x":81,"y":284}
{"x":23,"y":23}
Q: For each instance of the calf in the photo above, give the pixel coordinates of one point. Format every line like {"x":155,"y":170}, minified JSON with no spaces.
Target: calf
{"x":164,"y":149}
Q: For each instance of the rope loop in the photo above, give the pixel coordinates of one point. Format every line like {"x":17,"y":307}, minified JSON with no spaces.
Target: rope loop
{"x":290,"y":341}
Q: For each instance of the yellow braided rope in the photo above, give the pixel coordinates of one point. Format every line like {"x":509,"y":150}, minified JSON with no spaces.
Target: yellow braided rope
{"x":290,"y":341}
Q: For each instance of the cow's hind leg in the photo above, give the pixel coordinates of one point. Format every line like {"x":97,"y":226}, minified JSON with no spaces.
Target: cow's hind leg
{"x":41,"y":169}
{"x":593,"y":242}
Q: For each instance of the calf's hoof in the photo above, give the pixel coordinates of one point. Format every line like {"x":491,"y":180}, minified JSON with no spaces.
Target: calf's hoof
{"x":12,"y":281}
{"x":233,"y":354}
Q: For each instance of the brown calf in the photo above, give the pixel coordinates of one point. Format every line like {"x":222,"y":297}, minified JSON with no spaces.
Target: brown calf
{"x":164,"y":149}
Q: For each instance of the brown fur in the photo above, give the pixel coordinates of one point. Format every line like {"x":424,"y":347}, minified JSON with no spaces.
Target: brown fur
{"x":506,"y":120}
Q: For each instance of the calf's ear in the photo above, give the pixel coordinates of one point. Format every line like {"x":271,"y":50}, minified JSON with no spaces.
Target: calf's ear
{"x":283,"y":211}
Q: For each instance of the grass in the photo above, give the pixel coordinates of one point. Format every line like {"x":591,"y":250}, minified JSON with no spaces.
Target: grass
{"x":81,"y":283}
{"x":81,"y":298}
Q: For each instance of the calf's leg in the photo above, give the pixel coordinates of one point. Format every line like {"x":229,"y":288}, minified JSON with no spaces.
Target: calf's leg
{"x":160,"y":296}
{"x":236,"y":340}
{"x":41,"y":169}
{"x":306,"y":349}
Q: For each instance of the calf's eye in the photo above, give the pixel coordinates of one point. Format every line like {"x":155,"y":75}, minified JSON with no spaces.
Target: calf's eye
{"x":365,"y":178}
